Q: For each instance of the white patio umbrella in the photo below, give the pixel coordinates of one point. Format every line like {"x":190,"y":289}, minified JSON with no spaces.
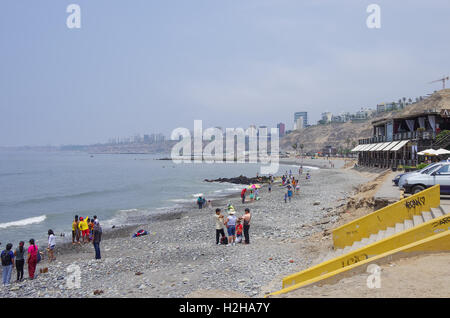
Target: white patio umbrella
{"x":442,"y":151}
{"x":428,"y":152}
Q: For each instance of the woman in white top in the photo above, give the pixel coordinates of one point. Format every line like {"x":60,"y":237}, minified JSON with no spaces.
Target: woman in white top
{"x":230,"y":223}
{"x":51,"y":245}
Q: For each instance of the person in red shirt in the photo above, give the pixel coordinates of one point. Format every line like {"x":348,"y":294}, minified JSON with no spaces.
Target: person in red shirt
{"x":238,"y":231}
{"x":243,"y":194}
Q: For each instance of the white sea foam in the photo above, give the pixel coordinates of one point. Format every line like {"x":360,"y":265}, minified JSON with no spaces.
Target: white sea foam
{"x":24,"y":222}
{"x":305,"y":167}
{"x":182,"y":200}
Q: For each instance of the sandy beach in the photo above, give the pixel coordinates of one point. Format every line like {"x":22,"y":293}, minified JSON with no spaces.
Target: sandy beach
{"x":179,"y":258}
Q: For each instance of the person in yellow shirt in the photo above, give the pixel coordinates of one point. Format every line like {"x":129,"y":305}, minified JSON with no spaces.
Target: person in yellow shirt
{"x":84,"y":228}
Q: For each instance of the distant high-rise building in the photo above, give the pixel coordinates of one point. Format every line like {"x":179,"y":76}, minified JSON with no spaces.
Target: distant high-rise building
{"x":297,"y":115}
{"x":299,"y":123}
{"x":281,"y":129}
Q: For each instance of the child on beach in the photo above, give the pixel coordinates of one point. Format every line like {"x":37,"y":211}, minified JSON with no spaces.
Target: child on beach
{"x":238,"y":231}
{"x":51,"y":245}
{"x":285,"y":197}
{"x":251,"y":195}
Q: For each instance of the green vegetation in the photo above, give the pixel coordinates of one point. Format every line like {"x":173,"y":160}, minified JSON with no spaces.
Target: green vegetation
{"x":443,"y":134}
{"x":422,"y":165}
{"x":418,"y":167}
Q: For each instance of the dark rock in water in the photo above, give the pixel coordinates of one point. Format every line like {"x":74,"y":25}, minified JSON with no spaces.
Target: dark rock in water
{"x":241,"y":180}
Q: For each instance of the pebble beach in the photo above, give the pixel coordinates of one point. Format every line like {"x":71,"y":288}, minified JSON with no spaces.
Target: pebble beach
{"x":179,"y":257}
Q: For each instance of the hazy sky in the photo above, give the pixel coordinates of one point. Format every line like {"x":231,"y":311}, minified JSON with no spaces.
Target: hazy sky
{"x":147,"y":66}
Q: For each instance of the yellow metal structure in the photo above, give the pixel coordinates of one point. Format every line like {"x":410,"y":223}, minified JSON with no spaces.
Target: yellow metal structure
{"x":388,"y":216}
{"x":434,"y":243}
{"x":433,"y":235}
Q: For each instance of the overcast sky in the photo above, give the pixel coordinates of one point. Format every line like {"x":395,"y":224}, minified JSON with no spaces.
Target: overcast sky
{"x":146,"y":66}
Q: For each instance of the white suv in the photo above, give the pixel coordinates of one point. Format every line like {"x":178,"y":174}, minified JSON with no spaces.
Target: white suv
{"x":438,"y":175}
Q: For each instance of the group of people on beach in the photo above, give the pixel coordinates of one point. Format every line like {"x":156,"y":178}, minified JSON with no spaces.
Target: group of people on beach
{"x":292,"y":185}
{"x":236,"y":227}
{"x":89,"y":230}
{"x":32,"y":255}
{"x":252,"y":193}
{"x":201,"y":202}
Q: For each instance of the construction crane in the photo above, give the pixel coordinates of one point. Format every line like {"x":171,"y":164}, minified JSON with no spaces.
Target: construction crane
{"x":441,"y":80}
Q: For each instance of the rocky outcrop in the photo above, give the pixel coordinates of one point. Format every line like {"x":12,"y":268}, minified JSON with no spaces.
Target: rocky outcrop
{"x":241,"y":180}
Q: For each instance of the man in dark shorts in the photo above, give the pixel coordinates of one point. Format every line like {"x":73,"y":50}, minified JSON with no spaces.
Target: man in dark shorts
{"x":246,"y":218}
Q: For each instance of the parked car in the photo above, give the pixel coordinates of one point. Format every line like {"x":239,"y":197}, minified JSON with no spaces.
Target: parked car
{"x":397,"y":178}
{"x":439,"y":174}
{"x":432,"y":166}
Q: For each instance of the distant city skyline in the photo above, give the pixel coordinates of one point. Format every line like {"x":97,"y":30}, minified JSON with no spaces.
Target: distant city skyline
{"x":151,"y":66}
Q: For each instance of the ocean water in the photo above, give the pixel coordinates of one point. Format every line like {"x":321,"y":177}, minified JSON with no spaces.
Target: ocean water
{"x":41,"y":191}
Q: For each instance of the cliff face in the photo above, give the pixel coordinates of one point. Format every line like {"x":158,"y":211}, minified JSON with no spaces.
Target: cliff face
{"x":315,"y":138}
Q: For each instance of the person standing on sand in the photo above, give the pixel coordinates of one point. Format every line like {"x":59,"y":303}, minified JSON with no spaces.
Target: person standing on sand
{"x":219,"y":226}
{"x":96,"y":239}
{"x":91,"y":230}
{"x":20,"y":260}
{"x":75,"y":231}
{"x":243,"y":195}
{"x":33,"y":251}
{"x":200,"y":202}
{"x":84,"y":228}
{"x":251,"y":195}
{"x":51,"y":246}
{"x":7,"y":257}
{"x":238,"y":231}
{"x":246,"y":218}
{"x":230,"y":223}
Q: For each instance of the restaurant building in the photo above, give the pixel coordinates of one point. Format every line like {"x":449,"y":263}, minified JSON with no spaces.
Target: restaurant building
{"x":399,"y":136}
